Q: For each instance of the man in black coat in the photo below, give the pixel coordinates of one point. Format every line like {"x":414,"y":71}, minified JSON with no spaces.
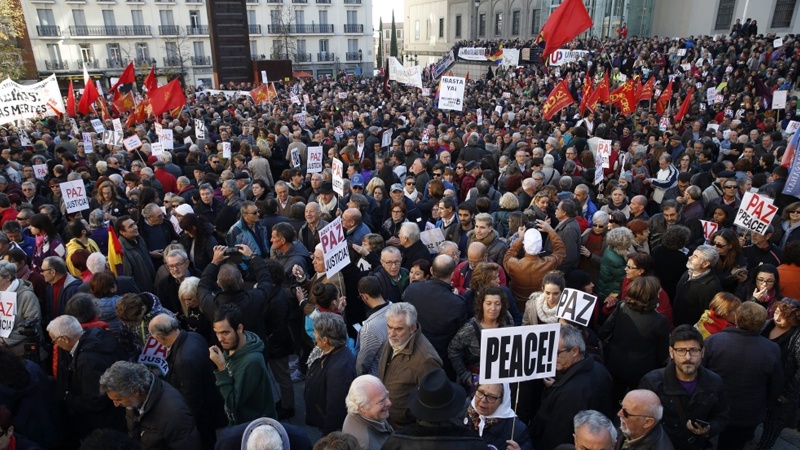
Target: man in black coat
{"x":83,"y":357}
{"x":167,"y":289}
{"x":412,"y":246}
{"x":696,"y":287}
{"x":441,"y":312}
{"x":136,"y":261}
{"x":191,"y":372}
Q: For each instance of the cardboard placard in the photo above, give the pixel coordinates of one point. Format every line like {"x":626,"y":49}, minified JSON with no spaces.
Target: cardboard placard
{"x":712,"y":126}
{"x":337,"y":167}
{"x":226,"y":150}
{"x":792,"y":127}
{"x":576,"y":306}
{"x":335,"y":250}
{"x":777,"y":43}
{"x":187,"y":141}
{"x":779,"y":99}
{"x":87,"y":142}
{"x":314,"y":160}
{"x":451,"y":93}
{"x":199,"y":129}
{"x":8,"y":312}
{"x":132,"y":143}
{"x":709,"y":228}
{"x":342,"y":95}
{"x":295,"y":157}
{"x":604,"y":152}
{"x":432,"y":238}
{"x":166,"y":139}
{"x":386,"y":138}
{"x":74,"y":195}
{"x":755,"y":213}
{"x":156,"y":149}
{"x":97,"y":124}
{"x":155,"y":355}
{"x":40,"y":171}
{"x":514,"y":354}
{"x":111,"y":138}
{"x":117,"y":125}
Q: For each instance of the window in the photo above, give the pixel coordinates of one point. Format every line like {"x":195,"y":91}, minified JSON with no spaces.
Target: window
{"x":166,"y":17}
{"x":323,"y":17}
{"x":784,"y":11}
{"x":428,"y":29}
{"x":86,"y":52}
{"x":79,"y":17}
{"x":482,"y":25}
{"x":251,"y":17}
{"x":172,"y":50}
{"x":275,"y":17}
{"x":725,"y":14}
{"x":536,"y":18}
{"x":142,"y":52}
{"x":299,"y":17}
{"x":441,"y":27}
{"x":458,"y":26}
{"x":352,"y":17}
{"x":254,"y":48}
{"x":108,"y":18}
{"x":352,"y":45}
{"x":387,"y":34}
{"x":400,"y":35}
{"x":138,"y":18}
{"x":194,"y":18}
{"x":54,"y":51}
{"x":301,"y":46}
{"x":114,"y":52}
{"x":515,"y":23}
{"x":199,"y":49}
{"x":416,"y":29}
{"x":323,"y":46}
{"x":277,"y":47}
{"x":498,"y":24}
{"x":46,"y":18}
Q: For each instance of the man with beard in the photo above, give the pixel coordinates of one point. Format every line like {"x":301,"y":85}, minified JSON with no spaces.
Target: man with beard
{"x":695,"y":409}
{"x":581,"y":383}
{"x":640,"y":422}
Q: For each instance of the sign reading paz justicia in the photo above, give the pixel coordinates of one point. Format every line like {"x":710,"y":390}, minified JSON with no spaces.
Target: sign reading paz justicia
{"x":519,"y":353}
{"x":334,"y":247}
{"x":74,"y":194}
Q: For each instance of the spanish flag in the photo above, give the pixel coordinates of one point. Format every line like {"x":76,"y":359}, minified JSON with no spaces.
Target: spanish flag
{"x":114,"y":252}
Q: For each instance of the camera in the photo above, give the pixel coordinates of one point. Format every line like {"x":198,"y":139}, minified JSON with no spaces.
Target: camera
{"x":230,"y":251}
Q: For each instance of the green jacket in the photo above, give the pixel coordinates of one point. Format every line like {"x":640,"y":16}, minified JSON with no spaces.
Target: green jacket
{"x":245,"y":385}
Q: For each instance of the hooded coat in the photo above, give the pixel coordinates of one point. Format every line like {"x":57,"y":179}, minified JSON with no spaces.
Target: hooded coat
{"x":245,"y":385}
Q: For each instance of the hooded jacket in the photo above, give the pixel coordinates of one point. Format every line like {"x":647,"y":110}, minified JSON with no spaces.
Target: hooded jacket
{"x":270,"y":422}
{"x":27,"y":308}
{"x":297,"y":254}
{"x":526,"y":273}
{"x":245,"y":385}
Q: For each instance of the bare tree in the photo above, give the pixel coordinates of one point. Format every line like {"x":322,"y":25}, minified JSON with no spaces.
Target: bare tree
{"x":178,"y":57}
{"x":287,"y":31}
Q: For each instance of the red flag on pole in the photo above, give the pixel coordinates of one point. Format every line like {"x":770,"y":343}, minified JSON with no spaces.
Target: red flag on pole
{"x":70,"y":101}
{"x":627,"y":100}
{"x":150,"y":82}
{"x":646,"y":91}
{"x":685,"y":106}
{"x":167,"y":97}
{"x":124,"y":103}
{"x":661,"y":104}
{"x":601,"y":93}
{"x":90,"y":95}
{"x":260,"y":94}
{"x":128,"y":76}
{"x":586,"y":92}
{"x":565,"y":23}
{"x":559,"y":99}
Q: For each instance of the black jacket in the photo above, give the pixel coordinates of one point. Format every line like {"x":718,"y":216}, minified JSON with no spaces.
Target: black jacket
{"x":279,"y":341}
{"x":165,"y":423}
{"x":707,"y":403}
{"x":432,"y":437}
{"x":416,"y":251}
{"x":692,"y":297}
{"x":327,"y":383}
{"x":137,"y":263}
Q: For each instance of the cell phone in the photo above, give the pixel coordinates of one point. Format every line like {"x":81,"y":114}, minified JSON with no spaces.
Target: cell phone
{"x":231,"y":251}
{"x":700,"y":423}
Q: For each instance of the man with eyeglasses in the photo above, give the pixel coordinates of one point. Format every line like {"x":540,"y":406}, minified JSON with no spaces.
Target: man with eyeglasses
{"x":640,"y":422}
{"x":177,"y":261}
{"x":31,"y":196}
{"x":696,"y":287}
{"x":581,"y":383}
{"x":688,"y":391}
{"x":669,"y":216}
{"x":730,"y":197}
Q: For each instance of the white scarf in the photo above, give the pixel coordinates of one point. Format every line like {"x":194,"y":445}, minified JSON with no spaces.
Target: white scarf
{"x":13,"y":286}
{"x":545,"y":313}
{"x":503,"y":411}
{"x":413,"y":196}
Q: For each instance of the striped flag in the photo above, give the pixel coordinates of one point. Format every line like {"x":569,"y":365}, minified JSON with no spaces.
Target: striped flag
{"x":114,"y":252}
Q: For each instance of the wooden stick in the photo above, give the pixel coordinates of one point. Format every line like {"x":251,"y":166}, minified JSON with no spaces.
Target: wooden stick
{"x":514,"y":423}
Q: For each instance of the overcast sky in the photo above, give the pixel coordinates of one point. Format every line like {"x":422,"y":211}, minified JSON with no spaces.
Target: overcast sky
{"x":383,"y":9}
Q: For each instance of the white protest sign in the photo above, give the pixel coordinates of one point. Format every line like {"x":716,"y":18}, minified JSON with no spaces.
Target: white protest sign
{"x":777,"y":43}
{"x":779,"y":99}
{"x":87,"y":142}
{"x":111,"y":138}
{"x":755,"y":213}
{"x":386,"y":138}
{"x":681,"y":52}
{"x":709,"y":228}
{"x":295,"y":157}
{"x":712,"y":126}
{"x":295,"y":99}
{"x":514,"y":354}
{"x":155,"y":355}
{"x":506,"y":94}
{"x":97,"y":124}
{"x":306,"y":98}
{"x":187,"y":141}
{"x":166,"y":139}
{"x":719,"y":98}
{"x":300,"y":117}
{"x":40,"y":171}
{"x":342,"y":95}
{"x":337,"y":167}
{"x":792,"y":126}
{"x":576,"y":306}
{"x":156,"y":149}
{"x":132,"y":143}
{"x":663,"y":123}
{"x":199,"y":129}
{"x":8,"y":312}
{"x":499,"y":110}
{"x":451,"y":93}
{"x":74,"y":126}
{"x":226,"y":150}
{"x":74,"y":195}
{"x":314,"y":160}
{"x":598,"y":169}
{"x":117,"y":125}
{"x":711,"y":94}
{"x":686,"y":67}
{"x":479,"y":116}
{"x":264,"y":78}
{"x":426,"y":92}
{"x":432,"y":238}
{"x":604,"y":152}
{"x":334,"y":247}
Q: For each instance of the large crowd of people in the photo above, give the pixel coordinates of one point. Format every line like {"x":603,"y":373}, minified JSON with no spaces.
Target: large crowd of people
{"x":180,"y":308}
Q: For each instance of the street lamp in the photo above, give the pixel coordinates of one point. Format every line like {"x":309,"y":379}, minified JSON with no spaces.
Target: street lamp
{"x":477,"y":4}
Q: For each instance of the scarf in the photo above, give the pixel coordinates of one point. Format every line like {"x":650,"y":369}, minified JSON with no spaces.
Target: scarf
{"x":613,"y":207}
{"x":504,"y":411}
{"x":413,"y":196}
{"x":545,"y":313}
{"x":485,"y":241}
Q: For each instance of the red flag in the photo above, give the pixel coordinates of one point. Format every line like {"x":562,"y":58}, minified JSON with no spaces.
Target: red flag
{"x":627,"y":100}
{"x":559,"y":99}
{"x":124,"y":103}
{"x":138,"y":114}
{"x":90,"y":95}
{"x":272,"y":93}
{"x":466,"y":77}
{"x":565,"y":23}
{"x":103,"y":108}
{"x":114,"y":252}
{"x":167,"y":97}
{"x":175,"y":113}
{"x":128,"y":76}
{"x":600,"y":94}
{"x":685,"y":106}
{"x":646,"y":91}
{"x":150,"y":82}
{"x":260,"y":94}
{"x":661,"y":104}
{"x":70,"y":101}
{"x":586,"y":92}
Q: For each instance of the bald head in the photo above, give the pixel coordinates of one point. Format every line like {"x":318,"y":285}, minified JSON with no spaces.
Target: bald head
{"x":443,"y":267}
{"x":165,"y":329}
{"x":476,"y":253}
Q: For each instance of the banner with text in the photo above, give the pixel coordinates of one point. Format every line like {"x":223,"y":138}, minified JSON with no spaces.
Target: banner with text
{"x":335,"y":250}
{"x":19,"y":102}
{"x":563,"y":56}
{"x":519,"y":353}
{"x":755,"y":213}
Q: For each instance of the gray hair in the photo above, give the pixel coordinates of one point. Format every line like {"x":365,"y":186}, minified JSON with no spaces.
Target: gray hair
{"x":150,"y":209}
{"x":709,"y":254}
{"x":126,"y":379}
{"x":264,"y":437}
{"x":331,"y":326}
{"x":97,"y":219}
{"x":390,"y":250}
{"x":620,"y":240}
{"x":572,"y":337}
{"x":410,"y":230}
{"x":600,"y":217}
{"x":486,"y":218}
{"x":8,"y":270}
{"x":231,"y":184}
{"x":357,"y":396}
{"x":443,"y":246}
{"x":96,"y":262}
{"x":65,"y":325}
{"x":596,"y":421}
{"x":178,"y":252}
{"x":164,"y":326}
{"x":57,"y":264}
{"x":407,"y":310}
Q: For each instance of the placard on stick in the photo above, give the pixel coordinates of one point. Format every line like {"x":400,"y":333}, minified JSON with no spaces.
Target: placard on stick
{"x":334,"y":247}
{"x":519,"y":353}
{"x":576,"y":306}
{"x":755,"y":213}
{"x":132,"y":143}
{"x":74,"y":194}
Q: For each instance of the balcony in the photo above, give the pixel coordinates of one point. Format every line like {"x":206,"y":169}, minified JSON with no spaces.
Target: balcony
{"x":352,"y":2}
{"x":194,"y":1}
{"x":252,"y":2}
{"x":145,"y":62}
{"x":173,"y":61}
{"x":323,"y":2}
{"x":48,"y":30}
{"x":352,"y":56}
{"x":254,"y":29}
{"x":325,"y":56}
{"x":301,"y":2}
{"x":274,"y":1}
{"x":90,"y":64}
{"x":169,"y":2}
{"x":134,"y":30}
{"x":301,"y":29}
{"x":302,"y":57}
{"x":201,"y":60}
{"x":353,"y":28}
{"x":135,"y":2}
{"x":169,"y":30}
{"x":196,"y":30}
{"x":113,"y":63}
{"x":56,"y":65}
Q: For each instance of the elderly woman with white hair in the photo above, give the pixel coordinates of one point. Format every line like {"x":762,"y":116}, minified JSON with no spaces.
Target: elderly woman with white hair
{"x":593,"y":244}
{"x":367,"y":412}
{"x":190,"y":316}
{"x":27,"y":308}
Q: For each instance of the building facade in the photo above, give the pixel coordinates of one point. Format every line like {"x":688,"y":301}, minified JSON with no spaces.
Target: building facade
{"x":321,"y":37}
{"x":385,"y":40}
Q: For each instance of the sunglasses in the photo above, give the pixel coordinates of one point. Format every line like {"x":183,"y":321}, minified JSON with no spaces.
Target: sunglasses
{"x":730,"y":186}
{"x":628,"y":415}
{"x":720,"y":245}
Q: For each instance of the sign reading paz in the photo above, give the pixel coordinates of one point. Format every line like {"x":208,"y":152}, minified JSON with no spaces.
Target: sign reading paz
{"x":334,"y":247}
{"x":337,"y":167}
{"x":576,"y":306}
{"x":74,"y":194}
{"x":755,"y":213}
{"x":519,"y":353}
{"x":40,"y":171}
{"x":314,"y":160}
{"x":155,"y":355}
{"x":8,"y":312}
